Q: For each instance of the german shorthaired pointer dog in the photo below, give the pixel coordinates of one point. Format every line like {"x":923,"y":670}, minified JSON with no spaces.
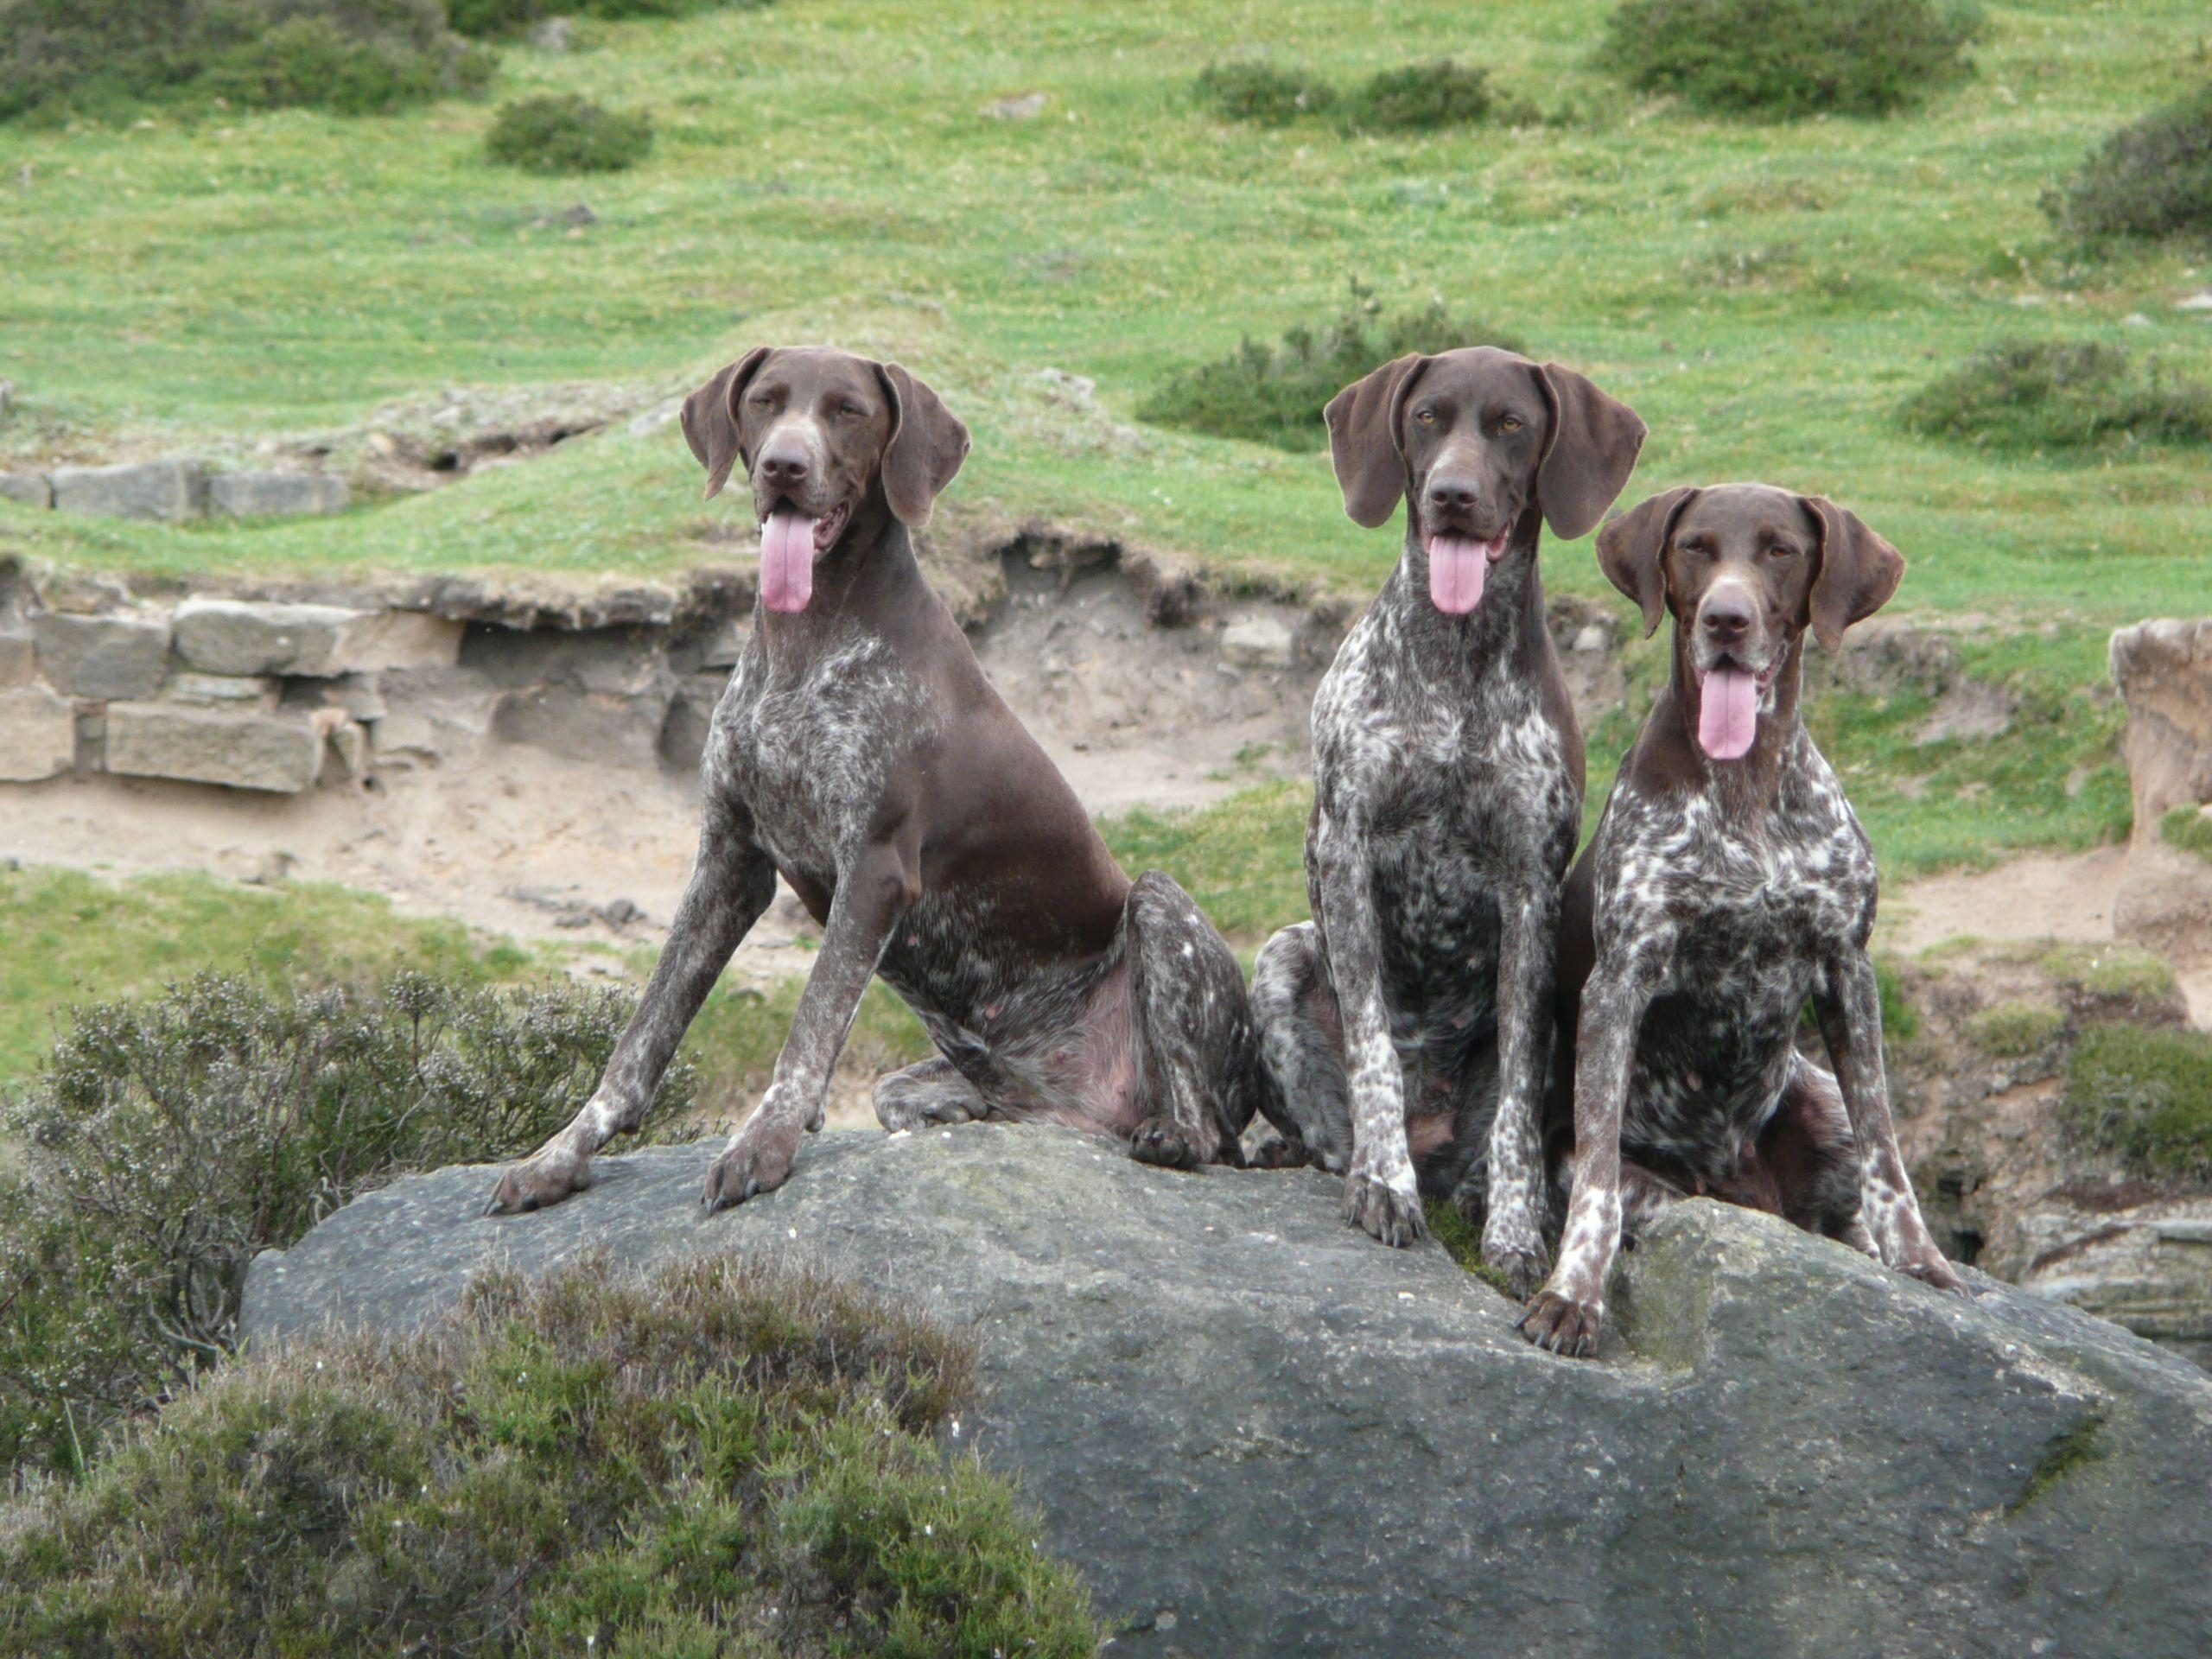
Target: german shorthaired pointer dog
{"x":1727,"y":883}
{"x":1407,"y":1026}
{"x":860,"y":752}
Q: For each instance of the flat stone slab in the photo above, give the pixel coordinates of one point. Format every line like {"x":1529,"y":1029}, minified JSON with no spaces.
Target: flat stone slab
{"x":275,"y":495}
{"x":280,"y":752}
{"x":238,"y":636}
{"x":1262,"y":1433}
{"x":38,"y":734}
{"x":32,"y":489}
{"x":152,"y":489}
{"x":121,"y":655}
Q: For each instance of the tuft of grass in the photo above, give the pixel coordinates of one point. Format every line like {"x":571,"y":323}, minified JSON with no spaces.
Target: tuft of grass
{"x":1242,"y":859}
{"x":2069,"y":1454}
{"x":1790,"y":58}
{"x":1274,"y":394}
{"x":2035,"y":396}
{"x":1262,"y":93}
{"x":2152,"y":178}
{"x":719,"y":1458}
{"x":1463,"y":1242}
{"x":566,"y":132}
{"x":2145,"y":1094}
{"x":1900,"y":1014}
{"x":1424,"y":97}
{"x":2190,"y":828}
{"x":2015,"y":1030}
{"x":498,"y":18}
{"x":2112,"y":973}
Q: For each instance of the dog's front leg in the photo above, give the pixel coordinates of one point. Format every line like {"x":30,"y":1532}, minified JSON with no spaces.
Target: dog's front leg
{"x":1513,"y":1240}
{"x":870,"y":898}
{"x":732,"y":883}
{"x":1848,"y":1002}
{"x":1566,"y":1314}
{"x":1380,"y":1192}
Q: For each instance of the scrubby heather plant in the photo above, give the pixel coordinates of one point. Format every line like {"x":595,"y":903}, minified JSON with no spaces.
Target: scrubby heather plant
{"x":567,"y":133}
{"x":1275,"y":394}
{"x":1423,"y":96}
{"x":1262,"y":93}
{"x":168,"y":1141}
{"x":718,"y":1458}
{"x":1790,"y":57}
{"x":2152,"y":178}
{"x":497,"y":17}
{"x":2045,"y":395}
{"x":2145,"y":1093}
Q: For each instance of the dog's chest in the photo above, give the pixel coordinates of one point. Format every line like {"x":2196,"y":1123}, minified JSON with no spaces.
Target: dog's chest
{"x":810,"y":744}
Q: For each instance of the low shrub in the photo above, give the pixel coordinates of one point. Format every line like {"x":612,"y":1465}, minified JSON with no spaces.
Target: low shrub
{"x":2145,"y":1094}
{"x":353,"y":57}
{"x":492,"y":18}
{"x":721,"y":1458}
{"x":1790,"y":58}
{"x":1262,"y":93}
{"x":2054,"y":394}
{"x":2188,"y":828}
{"x":567,"y":132}
{"x":2013,"y":1031}
{"x":1275,"y":394}
{"x":168,"y":1142}
{"x":1423,"y":96}
{"x":2152,"y":178}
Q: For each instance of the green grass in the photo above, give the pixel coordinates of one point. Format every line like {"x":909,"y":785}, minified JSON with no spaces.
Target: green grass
{"x":720,"y":1458}
{"x":2188,"y":828}
{"x":1763,"y":295}
{"x":2145,"y":1094}
{"x":2013,"y":1031}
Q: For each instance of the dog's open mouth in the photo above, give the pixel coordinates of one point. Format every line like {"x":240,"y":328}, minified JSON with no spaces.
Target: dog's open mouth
{"x":1729,"y":698}
{"x":790,"y":543}
{"x":1458,"y":565}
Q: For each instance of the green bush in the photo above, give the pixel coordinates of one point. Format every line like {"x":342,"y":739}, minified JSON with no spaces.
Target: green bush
{"x":1262,"y":93}
{"x":2188,"y":828}
{"x":2013,"y":1031}
{"x":2153,"y":178}
{"x":2145,"y":1094}
{"x":104,"y":57}
{"x":1422,"y":96}
{"x":1275,"y":394}
{"x":168,"y":1141}
{"x":2047,"y":395}
{"x":719,"y":1459}
{"x":567,"y":132}
{"x":1789,"y":58}
{"x":490,"y":18}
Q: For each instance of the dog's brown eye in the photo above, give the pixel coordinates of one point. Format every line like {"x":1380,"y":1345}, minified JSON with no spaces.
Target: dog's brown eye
{"x":1778,"y":552}
{"x":1426,"y":416}
{"x":1508,"y":425}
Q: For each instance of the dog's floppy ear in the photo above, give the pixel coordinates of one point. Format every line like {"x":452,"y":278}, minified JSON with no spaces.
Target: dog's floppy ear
{"x":1364,"y":444}
{"x":710,"y":418}
{"x":1632,"y":552}
{"x":928,"y":443}
{"x":1593,"y":450}
{"x":1859,"y":571}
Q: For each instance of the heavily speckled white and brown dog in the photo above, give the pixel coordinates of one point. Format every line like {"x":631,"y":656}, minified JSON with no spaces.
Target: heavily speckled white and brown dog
{"x":1728,"y":882}
{"x":1408,"y":1025}
{"x":860,"y":752}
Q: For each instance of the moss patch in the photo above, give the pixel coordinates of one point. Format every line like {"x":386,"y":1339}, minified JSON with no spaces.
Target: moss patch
{"x":1463,"y":1242}
{"x":721,"y":1459}
{"x":2013,"y":1031}
{"x":2069,"y":1454}
{"x":2145,"y":1094}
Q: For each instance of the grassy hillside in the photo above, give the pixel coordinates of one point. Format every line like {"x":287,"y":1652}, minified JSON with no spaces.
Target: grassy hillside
{"x":1765,"y":296}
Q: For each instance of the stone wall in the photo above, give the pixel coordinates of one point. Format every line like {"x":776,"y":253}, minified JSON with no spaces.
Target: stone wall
{"x":175,"y":490}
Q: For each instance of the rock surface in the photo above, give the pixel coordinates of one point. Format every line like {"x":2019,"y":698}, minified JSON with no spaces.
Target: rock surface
{"x":275,"y":495}
{"x":2163,"y":671}
{"x":123,"y":655}
{"x":31,"y":489}
{"x":151,"y":489}
{"x":279,"y":753}
{"x":237,"y":636}
{"x":1261,"y":1433}
{"x":38,"y":734}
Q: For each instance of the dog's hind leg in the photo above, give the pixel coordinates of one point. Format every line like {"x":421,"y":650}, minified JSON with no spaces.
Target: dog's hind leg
{"x":923,"y":1095}
{"x":1198,"y":1055}
{"x":1302,"y":1046}
{"x":1814,"y":1157}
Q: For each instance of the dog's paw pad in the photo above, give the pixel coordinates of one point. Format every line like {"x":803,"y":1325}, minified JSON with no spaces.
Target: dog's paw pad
{"x":1280,"y":1152}
{"x":539,"y":1184}
{"x":1569,"y":1329}
{"x":1383,"y":1213}
{"x":753,"y":1164}
{"x":1162,"y":1141}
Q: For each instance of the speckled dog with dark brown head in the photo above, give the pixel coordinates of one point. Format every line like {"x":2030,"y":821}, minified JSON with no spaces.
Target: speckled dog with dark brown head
{"x":1408,"y":1024}
{"x":860,"y":752}
{"x":1728,"y":882}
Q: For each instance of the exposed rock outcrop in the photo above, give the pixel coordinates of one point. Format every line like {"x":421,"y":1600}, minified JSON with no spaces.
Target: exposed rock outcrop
{"x":1261,"y":1433}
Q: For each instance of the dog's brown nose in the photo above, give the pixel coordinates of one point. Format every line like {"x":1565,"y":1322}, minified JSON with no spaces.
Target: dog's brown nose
{"x":1452,"y":493}
{"x":1727,"y":617}
{"x":785,"y":466}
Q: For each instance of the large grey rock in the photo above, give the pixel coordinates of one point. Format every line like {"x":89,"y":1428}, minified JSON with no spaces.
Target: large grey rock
{"x":38,"y":734}
{"x":280,"y":752}
{"x":122,"y":655}
{"x":149,"y":489}
{"x":239,"y":636}
{"x":32,"y":489}
{"x":275,"y":495}
{"x":1262,"y":1433}
{"x":18,"y":651}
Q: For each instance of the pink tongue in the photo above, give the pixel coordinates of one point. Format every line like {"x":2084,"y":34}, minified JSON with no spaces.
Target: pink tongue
{"x":786,"y":560}
{"x":1728,"y":713}
{"x":1457,"y":569}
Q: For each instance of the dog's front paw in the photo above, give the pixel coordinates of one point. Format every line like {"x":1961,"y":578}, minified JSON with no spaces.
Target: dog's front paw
{"x":1567,"y":1328}
{"x":759,"y":1160}
{"x":1279,"y":1151}
{"x":1382,"y":1210}
{"x":1931,"y":1267}
{"x":540,"y":1182}
{"x":1512,"y":1249}
{"x":1160,"y":1140}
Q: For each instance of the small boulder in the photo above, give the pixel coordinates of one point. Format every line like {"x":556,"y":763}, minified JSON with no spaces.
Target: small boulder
{"x":221,"y":690}
{"x":237,"y":636}
{"x":279,"y":753}
{"x":165,"y":490}
{"x":32,"y":489}
{"x":1258,"y":642}
{"x":275,"y":495}
{"x":1018,"y":106}
{"x":124,"y":654}
{"x":38,"y":734}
